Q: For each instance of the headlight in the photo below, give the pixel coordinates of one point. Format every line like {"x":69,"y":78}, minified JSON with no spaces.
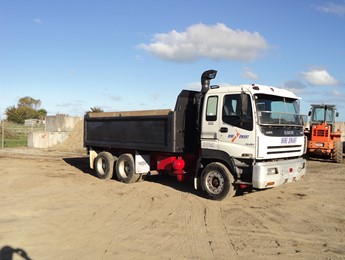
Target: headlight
{"x":272,"y":171}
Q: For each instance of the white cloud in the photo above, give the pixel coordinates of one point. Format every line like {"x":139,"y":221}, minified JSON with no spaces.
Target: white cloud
{"x":72,"y":108}
{"x":332,"y":97}
{"x":115,"y":97}
{"x":37,"y":20}
{"x":337,"y":94}
{"x":295,"y":86}
{"x":110,"y":96}
{"x":154,"y":96}
{"x":216,"y":42}
{"x":138,"y":57}
{"x":319,"y":77}
{"x":332,"y":8}
{"x":193,"y":86}
{"x":71,"y":103}
{"x":249,"y":74}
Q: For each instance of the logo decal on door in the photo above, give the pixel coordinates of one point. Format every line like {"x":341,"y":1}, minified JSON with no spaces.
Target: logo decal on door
{"x":237,"y":135}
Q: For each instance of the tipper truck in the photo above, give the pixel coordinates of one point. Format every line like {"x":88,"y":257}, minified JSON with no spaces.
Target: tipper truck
{"x":223,"y":138}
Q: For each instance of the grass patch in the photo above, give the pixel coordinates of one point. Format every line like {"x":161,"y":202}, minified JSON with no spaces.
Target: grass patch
{"x":16,"y":135}
{"x":21,"y":141}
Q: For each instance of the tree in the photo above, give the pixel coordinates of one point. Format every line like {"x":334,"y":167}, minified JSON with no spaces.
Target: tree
{"x":96,"y":109}
{"x":29,"y":102}
{"x":27,"y":108}
{"x":41,"y":113}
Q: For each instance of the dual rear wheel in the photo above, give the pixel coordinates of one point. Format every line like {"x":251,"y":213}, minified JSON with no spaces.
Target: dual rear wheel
{"x":125,"y":167}
{"x":104,"y":165}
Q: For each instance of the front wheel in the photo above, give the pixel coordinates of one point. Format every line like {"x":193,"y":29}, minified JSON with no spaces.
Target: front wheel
{"x":125,"y":169}
{"x":338,"y":151}
{"x":217,"y":181}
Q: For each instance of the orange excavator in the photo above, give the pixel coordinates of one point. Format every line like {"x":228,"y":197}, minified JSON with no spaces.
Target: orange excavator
{"x":323,"y":139}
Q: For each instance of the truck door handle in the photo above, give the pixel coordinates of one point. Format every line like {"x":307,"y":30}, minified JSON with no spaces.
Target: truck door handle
{"x":223,"y":130}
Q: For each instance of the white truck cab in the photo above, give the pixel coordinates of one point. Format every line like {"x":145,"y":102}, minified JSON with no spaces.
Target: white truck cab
{"x":257,"y":131}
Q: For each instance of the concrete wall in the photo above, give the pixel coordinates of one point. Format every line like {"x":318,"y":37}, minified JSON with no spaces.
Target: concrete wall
{"x":61,"y":123}
{"x":57,"y":131}
{"x":341,"y":127}
{"x":43,"y":139}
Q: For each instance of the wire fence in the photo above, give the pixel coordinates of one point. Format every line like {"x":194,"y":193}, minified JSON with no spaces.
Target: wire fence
{"x":16,"y":135}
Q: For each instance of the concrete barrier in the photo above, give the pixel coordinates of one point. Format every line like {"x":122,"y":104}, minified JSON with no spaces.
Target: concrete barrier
{"x":46,"y":139}
{"x":57,"y":130}
{"x":341,"y":126}
{"x":61,"y":123}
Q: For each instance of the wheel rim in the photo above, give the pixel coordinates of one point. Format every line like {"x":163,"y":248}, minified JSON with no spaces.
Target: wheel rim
{"x":215,"y":182}
{"x":102,"y":166}
{"x":124,"y":169}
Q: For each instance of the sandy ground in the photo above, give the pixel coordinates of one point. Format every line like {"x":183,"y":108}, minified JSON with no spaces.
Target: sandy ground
{"x":52,"y":207}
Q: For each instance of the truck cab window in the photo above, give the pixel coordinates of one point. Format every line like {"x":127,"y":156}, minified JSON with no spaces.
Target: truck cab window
{"x":211,"y":110}
{"x":232,"y":113}
{"x":319,"y":115}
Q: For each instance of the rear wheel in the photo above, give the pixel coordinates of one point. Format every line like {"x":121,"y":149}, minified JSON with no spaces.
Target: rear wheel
{"x":217,"y":181}
{"x":125,"y":169}
{"x":104,"y":165}
{"x":338,"y":151}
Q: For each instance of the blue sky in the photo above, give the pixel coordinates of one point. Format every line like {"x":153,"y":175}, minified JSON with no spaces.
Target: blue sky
{"x":134,"y":55}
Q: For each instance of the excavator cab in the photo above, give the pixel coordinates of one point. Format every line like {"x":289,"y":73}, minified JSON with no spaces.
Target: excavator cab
{"x":323,"y":138}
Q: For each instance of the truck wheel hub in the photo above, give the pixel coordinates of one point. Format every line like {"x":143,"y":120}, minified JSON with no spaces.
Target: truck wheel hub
{"x":215,"y":182}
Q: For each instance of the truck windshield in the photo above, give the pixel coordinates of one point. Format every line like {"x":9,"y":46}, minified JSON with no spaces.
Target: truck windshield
{"x":275,"y":110}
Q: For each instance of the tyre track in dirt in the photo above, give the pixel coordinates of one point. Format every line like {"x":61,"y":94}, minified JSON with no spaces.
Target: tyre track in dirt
{"x":201,"y":230}
{"x":120,"y":223}
{"x":218,"y":234}
{"x":289,"y":223}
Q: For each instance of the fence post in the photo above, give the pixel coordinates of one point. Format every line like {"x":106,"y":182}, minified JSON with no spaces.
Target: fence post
{"x":2,"y":133}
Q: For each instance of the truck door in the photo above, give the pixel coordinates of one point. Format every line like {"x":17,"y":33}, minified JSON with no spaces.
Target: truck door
{"x":236,"y":136}
{"x":227,"y":125}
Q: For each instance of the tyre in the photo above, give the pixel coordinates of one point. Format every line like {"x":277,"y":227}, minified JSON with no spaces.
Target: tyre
{"x":217,"y":181}
{"x":125,"y":169}
{"x":104,"y":165}
{"x":338,"y":151}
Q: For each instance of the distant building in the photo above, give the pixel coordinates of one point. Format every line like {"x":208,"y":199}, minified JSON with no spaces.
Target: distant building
{"x":34,"y":122}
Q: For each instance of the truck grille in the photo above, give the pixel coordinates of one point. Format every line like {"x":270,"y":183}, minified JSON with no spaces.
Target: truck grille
{"x":320,"y":132}
{"x":284,"y":149}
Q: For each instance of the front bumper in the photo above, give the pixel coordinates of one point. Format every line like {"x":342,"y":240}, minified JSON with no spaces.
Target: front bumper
{"x":285,"y":171}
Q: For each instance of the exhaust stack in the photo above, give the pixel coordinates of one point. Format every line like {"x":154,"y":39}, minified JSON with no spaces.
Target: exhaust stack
{"x":206,"y":79}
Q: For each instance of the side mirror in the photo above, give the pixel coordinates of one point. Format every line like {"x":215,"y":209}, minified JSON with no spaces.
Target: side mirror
{"x":303,"y":119}
{"x":309,"y":113}
{"x":337,"y":114}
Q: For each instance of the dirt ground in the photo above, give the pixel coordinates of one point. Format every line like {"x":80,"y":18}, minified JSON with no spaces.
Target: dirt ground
{"x":52,"y":207}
